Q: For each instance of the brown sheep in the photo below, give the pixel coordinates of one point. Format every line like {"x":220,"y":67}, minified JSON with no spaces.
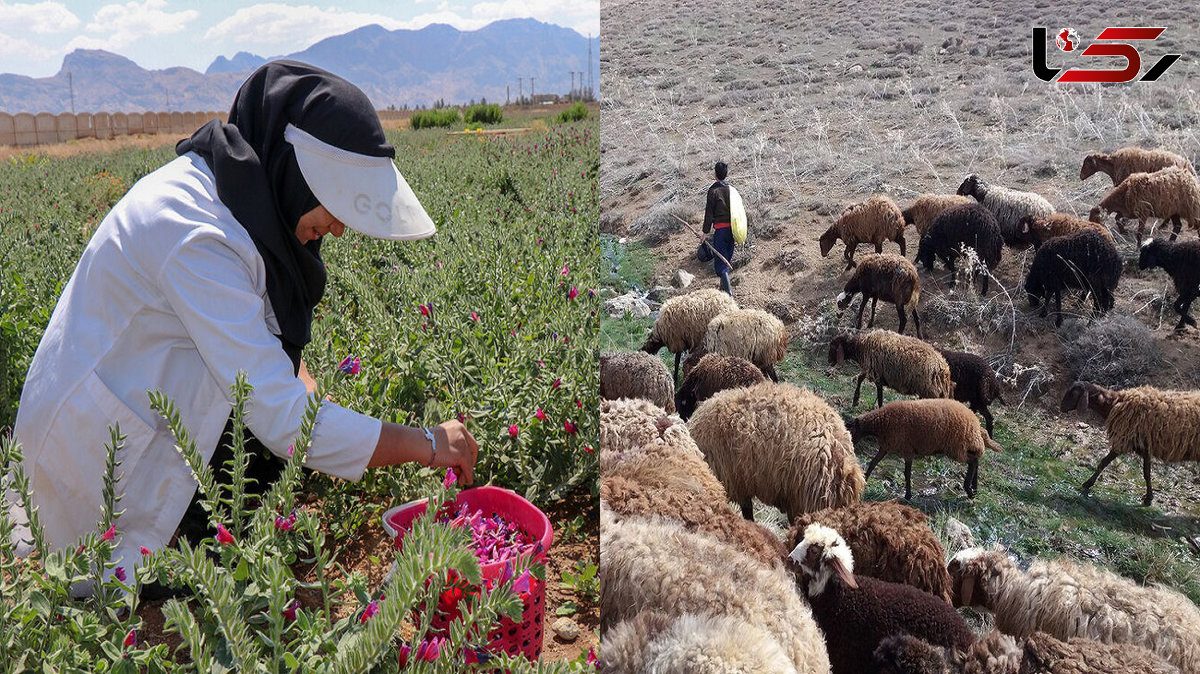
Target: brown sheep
{"x":913,"y":428}
{"x":925,"y":208}
{"x":1036,"y":230}
{"x":891,"y":278}
{"x":1170,"y":194}
{"x":873,"y":221}
{"x":636,"y":375}
{"x":713,"y":373}
{"x":907,"y":364}
{"x":890,"y":541}
{"x":1129,"y":160}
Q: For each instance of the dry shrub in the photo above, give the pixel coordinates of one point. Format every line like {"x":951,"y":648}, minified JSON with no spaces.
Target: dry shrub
{"x":658,"y":223}
{"x":1117,"y":351}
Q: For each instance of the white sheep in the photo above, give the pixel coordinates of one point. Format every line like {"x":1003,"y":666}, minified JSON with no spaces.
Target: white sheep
{"x":683,"y":320}
{"x":634,"y":427}
{"x":1068,"y":599}
{"x":780,"y":443}
{"x":1007,"y":204}
{"x":636,"y":375}
{"x":752,"y":334}
{"x":656,"y":643}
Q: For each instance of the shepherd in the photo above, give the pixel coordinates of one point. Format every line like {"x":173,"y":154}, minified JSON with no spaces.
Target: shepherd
{"x":725,"y":217}
{"x":209,"y":266}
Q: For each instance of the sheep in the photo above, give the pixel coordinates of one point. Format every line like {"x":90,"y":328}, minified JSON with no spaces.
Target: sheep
{"x":713,"y":373}
{"x":873,"y":221}
{"x":1182,"y":262}
{"x":655,"y":643}
{"x":1084,"y":260}
{"x":1145,"y":421}
{"x":1129,"y":160}
{"x":998,"y":653}
{"x":633,"y":427}
{"x":780,"y":443}
{"x":969,"y":226}
{"x":1170,"y":194}
{"x":975,"y":383}
{"x":648,"y":564}
{"x":683,"y":320}
{"x":1036,"y":230}
{"x":912,"y":428}
{"x":906,"y":364}
{"x":693,"y":359}
{"x":890,"y":541}
{"x":1068,"y":599}
{"x":636,"y":375}
{"x":926,"y":207}
{"x":752,"y":334}
{"x":686,"y":491}
{"x":857,"y":612}
{"x":1007,"y":204}
{"x":888,"y":277}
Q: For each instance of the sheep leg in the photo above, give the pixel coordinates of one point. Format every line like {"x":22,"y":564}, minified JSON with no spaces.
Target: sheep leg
{"x":987,"y":418}
{"x":1146,"y":474}
{"x":1058,"y":308}
{"x":903,"y":317}
{"x":900,"y":240}
{"x":878,"y":394}
{"x":677,"y":355}
{"x":857,"y":388}
{"x":969,"y":480}
{"x":1087,"y":486}
{"x":874,"y":301}
{"x":908,"y":479}
{"x":1185,"y":311}
{"x":1178,"y":224}
{"x":769,"y":370}
{"x":917,"y":322}
{"x":871,"y":466}
{"x":861,"y":306}
{"x":748,"y":509}
{"x":849,"y":255}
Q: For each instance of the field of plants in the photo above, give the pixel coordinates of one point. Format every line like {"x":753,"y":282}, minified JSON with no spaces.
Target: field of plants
{"x":492,"y":321}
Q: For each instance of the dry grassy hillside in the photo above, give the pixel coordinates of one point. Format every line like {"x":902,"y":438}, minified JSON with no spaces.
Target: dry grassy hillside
{"x":819,"y":105}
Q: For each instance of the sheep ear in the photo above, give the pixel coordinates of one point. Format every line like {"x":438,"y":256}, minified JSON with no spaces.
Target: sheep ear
{"x":843,"y":573}
{"x":968,"y":588}
{"x":1024,"y":226}
{"x":1082,"y":405}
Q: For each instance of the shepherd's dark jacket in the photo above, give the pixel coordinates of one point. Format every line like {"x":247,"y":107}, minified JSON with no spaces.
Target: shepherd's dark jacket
{"x":716,"y":209}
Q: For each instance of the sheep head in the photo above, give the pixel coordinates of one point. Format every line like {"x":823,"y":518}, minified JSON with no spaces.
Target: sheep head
{"x":837,"y":350}
{"x":1150,"y":254}
{"x":1091,"y":164}
{"x":971,"y":188}
{"x":908,"y":216}
{"x":1083,"y":394}
{"x":906,"y":654}
{"x":972,"y":572}
{"x":827,"y":240}
{"x":653,"y":344}
{"x":821,"y":555}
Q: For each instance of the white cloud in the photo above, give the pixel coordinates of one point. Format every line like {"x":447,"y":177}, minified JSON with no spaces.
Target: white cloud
{"x":581,"y":15}
{"x":15,"y":47}
{"x":40,"y":18}
{"x":121,"y":25}
{"x":273,"y":25}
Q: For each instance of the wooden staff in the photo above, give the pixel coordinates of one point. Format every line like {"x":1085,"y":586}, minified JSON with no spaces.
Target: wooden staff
{"x":704,"y":241}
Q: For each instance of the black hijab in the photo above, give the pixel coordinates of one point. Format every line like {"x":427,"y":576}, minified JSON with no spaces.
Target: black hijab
{"x":258,"y":178}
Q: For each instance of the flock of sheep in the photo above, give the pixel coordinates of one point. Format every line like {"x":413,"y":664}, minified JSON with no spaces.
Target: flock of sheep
{"x":689,"y":585}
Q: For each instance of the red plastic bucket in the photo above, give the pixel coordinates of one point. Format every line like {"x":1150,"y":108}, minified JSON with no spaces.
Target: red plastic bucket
{"x":524,"y":638}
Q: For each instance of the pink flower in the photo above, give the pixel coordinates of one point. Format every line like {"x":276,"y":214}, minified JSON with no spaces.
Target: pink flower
{"x":578,"y":404}
{"x":284,"y":523}
{"x":568,"y":426}
{"x":450,"y":478}
{"x":540,"y":414}
{"x":474,"y":316}
{"x":368,"y":612}
{"x":429,"y":650}
{"x":573,"y":293}
{"x":423,"y":309}
{"x":557,"y":383}
{"x":591,"y":658}
{"x":291,"y":448}
{"x":119,"y":572}
{"x":110,"y":534}
{"x":461,"y":419}
{"x":223,"y":535}
{"x":565,"y":270}
{"x":405,"y":649}
{"x":521,"y":584}
{"x":145,"y":550}
{"x":439,"y":264}
{"x":588,"y":449}
{"x":513,"y":430}
{"x":289,"y":613}
{"x":350,"y":366}
{"x":79,"y":550}
{"x":131,"y":639}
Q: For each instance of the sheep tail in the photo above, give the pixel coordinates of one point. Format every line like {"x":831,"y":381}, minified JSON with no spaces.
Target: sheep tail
{"x":912,"y":301}
{"x":989,"y":442}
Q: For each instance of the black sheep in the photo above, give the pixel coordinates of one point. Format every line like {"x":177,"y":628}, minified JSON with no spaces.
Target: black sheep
{"x":975,"y":382}
{"x":969,"y":225}
{"x":857,"y":612}
{"x":1182,"y":261}
{"x":1084,"y":260}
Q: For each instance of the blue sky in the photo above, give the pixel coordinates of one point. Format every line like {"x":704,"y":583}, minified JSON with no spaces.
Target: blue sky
{"x":34,"y":36}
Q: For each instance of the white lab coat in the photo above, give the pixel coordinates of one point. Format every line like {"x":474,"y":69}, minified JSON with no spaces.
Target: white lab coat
{"x":170,"y":294}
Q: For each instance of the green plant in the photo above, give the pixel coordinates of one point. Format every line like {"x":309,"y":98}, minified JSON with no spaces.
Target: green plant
{"x":484,"y":113}
{"x":583,"y":580}
{"x":425,"y":119}
{"x":574,"y":113}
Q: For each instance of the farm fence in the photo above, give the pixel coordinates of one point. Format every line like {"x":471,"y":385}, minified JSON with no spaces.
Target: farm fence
{"x":25,"y":129}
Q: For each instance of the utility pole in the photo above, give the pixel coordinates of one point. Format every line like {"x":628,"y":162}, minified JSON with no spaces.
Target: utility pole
{"x":520,"y":91}
{"x":531,"y":94}
{"x":506,"y":93}
{"x":590,"y":92}
{"x":71,"y":84}
{"x":571,"y":91}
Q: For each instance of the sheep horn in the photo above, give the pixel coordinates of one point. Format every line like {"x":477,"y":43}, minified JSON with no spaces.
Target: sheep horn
{"x":843,"y":573}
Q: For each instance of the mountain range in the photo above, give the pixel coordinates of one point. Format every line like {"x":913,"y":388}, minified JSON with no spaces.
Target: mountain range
{"x":394,"y":68}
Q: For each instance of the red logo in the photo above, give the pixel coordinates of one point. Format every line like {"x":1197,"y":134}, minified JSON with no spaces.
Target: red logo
{"x":1117,"y":44}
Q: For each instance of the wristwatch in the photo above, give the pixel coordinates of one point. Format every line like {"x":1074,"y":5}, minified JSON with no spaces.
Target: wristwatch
{"x":432,"y":443}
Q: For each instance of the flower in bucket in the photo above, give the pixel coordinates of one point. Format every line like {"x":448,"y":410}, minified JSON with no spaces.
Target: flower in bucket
{"x":350,"y":365}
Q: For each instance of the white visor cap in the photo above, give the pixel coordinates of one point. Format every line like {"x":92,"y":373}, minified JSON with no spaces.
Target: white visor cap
{"x":365,"y":193}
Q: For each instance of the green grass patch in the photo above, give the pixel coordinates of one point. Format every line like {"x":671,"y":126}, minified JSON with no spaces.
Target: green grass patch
{"x":630,"y":264}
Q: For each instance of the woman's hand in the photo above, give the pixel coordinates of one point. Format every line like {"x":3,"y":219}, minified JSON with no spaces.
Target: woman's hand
{"x":457,"y":449}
